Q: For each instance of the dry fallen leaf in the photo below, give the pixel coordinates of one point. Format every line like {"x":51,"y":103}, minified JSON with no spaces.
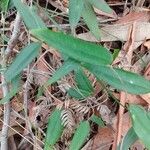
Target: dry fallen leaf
{"x":126,"y":125}
{"x":132,"y":99}
{"x":119,"y":32}
{"x":101,"y":141}
{"x":135,"y":16}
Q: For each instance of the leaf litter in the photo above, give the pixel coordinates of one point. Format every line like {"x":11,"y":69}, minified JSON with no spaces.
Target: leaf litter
{"x":128,"y":33}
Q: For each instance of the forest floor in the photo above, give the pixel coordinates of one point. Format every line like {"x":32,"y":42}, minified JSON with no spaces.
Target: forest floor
{"x":125,"y":32}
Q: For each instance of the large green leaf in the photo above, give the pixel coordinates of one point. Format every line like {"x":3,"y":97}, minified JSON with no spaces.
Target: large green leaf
{"x":75,"y":11}
{"x":13,"y":91}
{"x":101,"y":5}
{"x":121,"y":79}
{"x":54,"y":130}
{"x":22,"y":60}
{"x":141,"y":123}
{"x":31,"y":19}
{"x":129,"y":139}
{"x":89,"y":17}
{"x":4,"y":5}
{"x":80,"y":136}
{"x":68,"y":66}
{"x":75,"y":48}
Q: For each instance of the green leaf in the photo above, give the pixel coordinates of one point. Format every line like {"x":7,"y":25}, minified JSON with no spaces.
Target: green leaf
{"x":54,"y":130}
{"x":101,"y":5}
{"x":4,"y":5}
{"x":78,"y":93}
{"x":84,"y":87}
{"x":80,"y":136}
{"x":31,"y":19}
{"x":14,"y":90}
{"x":75,"y":48}
{"x":67,"y":67}
{"x":97,"y":120}
{"x":22,"y":60}
{"x":141,"y":122}
{"x":115,"y":53}
{"x":129,"y":139}
{"x":90,"y":19}
{"x":75,"y":11}
{"x":82,"y":81}
{"x":121,"y":79}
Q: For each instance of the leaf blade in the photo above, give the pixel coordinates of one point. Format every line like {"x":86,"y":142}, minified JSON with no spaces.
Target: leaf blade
{"x":22,"y":60}
{"x":121,"y":79}
{"x":80,"y":136}
{"x":78,"y":93}
{"x":54,"y":130}
{"x":89,"y":17}
{"x":14,"y":90}
{"x":4,"y":5}
{"x":97,"y":120}
{"x":129,"y":139}
{"x":75,"y":11}
{"x":140,"y":121}
{"x":101,"y":5}
{"x":67,"y":67}
{"x":31,"y":19}
{"x":82,"y":81}
{"x":77,"y":49}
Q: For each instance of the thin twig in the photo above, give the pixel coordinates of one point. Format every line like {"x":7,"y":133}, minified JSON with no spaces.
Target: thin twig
{"x":15,"y":34}
{"x":5,"y":89}
{"x":6,"y":119}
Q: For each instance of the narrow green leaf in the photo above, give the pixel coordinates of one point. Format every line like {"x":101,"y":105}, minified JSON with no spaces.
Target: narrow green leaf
{"x":82,"y":81}
{"x":75,"y":48}
{"x":141,"y":122}
{"x":129,"y":139}
{"x":67,"y":67}
{"x":101,"y":5}
{"x":75,"y":11}
{"x":54,"y":130}
{"x":14,"y":90}
{"x":4,"y":5}
{"x":31,"y":19}
{"x":84,"y":87}
{"x":115,"y":53}
{"x":90,"y":19}
{"x":80,"y":136}
{"x":78,"y":93}
{"x":97,"y":120}
{"x":121,"y":79}
{"x":22,"y":60}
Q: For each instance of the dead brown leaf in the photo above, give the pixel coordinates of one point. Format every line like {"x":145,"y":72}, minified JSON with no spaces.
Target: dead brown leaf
{"x":101,"y":141}
{"x":135,"y":16}
{"x":126,"y":123}
{"x":119,"y":32}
